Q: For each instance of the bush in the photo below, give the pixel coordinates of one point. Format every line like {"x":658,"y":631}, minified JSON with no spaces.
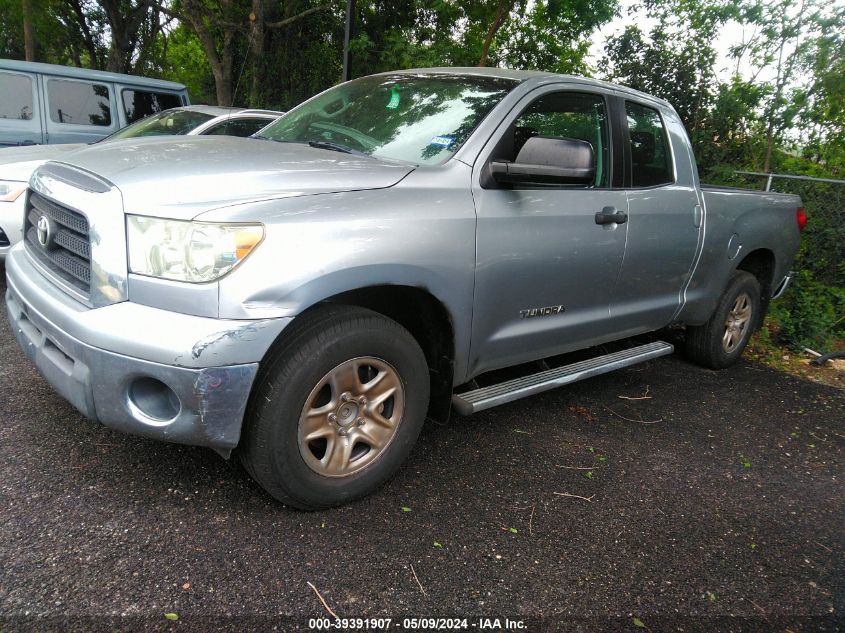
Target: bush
{"x":810,"y":314}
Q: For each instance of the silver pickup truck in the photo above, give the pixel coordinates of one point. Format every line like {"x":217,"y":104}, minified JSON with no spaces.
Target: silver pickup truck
{"x":308,"y":297}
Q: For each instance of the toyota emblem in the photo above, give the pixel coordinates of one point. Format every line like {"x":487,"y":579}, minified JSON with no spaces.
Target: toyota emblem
{"x":43,"y":228}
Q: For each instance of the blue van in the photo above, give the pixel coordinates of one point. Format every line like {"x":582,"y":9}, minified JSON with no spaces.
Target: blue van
{"x":46,"y":103}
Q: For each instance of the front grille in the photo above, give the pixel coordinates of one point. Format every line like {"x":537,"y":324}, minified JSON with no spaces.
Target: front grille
{"x":67,"y":253}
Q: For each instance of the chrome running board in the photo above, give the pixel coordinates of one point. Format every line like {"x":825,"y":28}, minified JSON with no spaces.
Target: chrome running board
{"x":510,"y":390}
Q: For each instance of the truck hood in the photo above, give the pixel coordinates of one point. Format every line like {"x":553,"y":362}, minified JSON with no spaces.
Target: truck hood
{"x":181,"y":177}
{"x":18,"y":163}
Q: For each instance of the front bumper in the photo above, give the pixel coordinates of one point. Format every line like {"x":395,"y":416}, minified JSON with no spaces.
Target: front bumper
{"x":198,"y":397}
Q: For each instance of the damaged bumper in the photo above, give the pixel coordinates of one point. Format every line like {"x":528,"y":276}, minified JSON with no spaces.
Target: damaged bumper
{"x":138,"y":369}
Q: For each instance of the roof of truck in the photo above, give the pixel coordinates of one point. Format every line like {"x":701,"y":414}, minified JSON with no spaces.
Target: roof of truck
{"x":525,"y":75}
{"x":85,"y":73}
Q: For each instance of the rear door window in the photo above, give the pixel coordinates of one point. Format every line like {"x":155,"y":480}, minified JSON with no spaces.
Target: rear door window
{"x":651,"y":161}
{"x":79,"y":102}
{"x":17,"y":97}
{"x":138,"y":104}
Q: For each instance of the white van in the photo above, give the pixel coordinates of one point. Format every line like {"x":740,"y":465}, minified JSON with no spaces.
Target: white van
{"x":46,"y":103}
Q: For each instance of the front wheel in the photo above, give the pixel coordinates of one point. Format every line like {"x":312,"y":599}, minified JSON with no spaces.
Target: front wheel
{"x":719,"y":342}
{"x":337,"y":408}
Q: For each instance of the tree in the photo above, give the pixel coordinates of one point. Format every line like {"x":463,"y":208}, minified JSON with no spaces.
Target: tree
{"x":676,"y":59}
{"x":220,"y":27}
{"x":125,"y":20}
{"x":502,"y":13}
{"x":824,"y":113}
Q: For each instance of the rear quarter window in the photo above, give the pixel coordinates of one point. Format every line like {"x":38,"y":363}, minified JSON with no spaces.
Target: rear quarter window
{"x":138,"y":104}
{"x":16,"y":102}
{"x":79,"y":102}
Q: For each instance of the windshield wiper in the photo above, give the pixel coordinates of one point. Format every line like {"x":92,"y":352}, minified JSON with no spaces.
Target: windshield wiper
{"x":337,"y":147}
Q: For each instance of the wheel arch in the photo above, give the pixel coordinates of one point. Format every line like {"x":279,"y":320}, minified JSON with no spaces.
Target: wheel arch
{"x":425,"y":317}
{"x":761,"y":263}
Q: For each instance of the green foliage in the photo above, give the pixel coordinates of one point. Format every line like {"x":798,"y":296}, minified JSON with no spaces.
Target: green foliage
{"x":810,"y":314}
{"x":551,"y":34}
{"x":675,"y":59}
{"x":185,"y":62}
{"x":545,"y":35}
{"x":730,"y":135}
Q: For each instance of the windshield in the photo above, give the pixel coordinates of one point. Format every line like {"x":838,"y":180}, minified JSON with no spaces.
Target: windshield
{"x":165,"y":123}
{"x":415,"y":118}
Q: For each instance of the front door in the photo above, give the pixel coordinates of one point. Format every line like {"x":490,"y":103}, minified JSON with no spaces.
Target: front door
{"x":545,"y":270}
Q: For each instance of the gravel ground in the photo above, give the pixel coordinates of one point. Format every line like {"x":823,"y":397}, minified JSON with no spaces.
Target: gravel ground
{"x":715,"y":503}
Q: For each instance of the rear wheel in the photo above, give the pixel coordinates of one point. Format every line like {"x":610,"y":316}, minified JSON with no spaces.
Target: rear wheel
{"x":720,"y":342}
{"x":337,"y":408}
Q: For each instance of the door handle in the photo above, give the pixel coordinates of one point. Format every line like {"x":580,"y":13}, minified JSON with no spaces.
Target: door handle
{"x":610,"y":215}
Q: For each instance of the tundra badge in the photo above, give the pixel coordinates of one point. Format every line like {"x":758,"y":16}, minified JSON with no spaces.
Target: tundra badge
{"x":538,"y":312}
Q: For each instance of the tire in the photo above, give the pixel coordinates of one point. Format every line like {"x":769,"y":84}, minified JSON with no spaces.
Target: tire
{"x":336,"y":408}
{"x":720,"y":342}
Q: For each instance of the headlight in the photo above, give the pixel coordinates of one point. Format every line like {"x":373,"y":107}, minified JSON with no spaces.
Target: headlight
{"x":10,"y":190}
{"x":188,"y":251}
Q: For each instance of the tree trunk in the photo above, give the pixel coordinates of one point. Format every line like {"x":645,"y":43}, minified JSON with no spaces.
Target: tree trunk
{"x":502,"y":11}
{"x":257,"y":33}
{"x":79,"y":14}
{"x":221,"y":64}
{"x":770,"y":123}
{"x":125,"y":25}
{"x":28,"y":34}
{"x":784,"y":76}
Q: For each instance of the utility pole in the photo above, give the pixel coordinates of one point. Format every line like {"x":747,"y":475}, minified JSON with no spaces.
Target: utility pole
{"x":350,"y":23}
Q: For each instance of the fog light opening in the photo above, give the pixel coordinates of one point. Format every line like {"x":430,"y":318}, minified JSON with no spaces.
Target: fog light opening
{"x":154,"y":399}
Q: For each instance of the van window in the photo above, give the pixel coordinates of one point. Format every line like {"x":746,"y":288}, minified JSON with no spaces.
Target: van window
{"x":138,"y":104}
{"x":650,"y":158}
{"x":17,"y":97}
{"x":79,"y":102}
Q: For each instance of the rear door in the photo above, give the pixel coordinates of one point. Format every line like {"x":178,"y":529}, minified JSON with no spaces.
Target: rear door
{"x":20,"y":116}
{"x":545,"y":270}
{"x":664,"y":218}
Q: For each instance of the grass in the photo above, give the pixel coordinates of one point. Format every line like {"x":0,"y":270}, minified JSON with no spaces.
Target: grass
{"x":765,"y":348}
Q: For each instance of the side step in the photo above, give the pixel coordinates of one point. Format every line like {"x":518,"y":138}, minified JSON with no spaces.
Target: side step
{"x":510,"y":390}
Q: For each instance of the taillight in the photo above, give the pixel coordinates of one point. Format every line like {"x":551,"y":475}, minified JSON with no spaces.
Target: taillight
{"x":801,"y":218}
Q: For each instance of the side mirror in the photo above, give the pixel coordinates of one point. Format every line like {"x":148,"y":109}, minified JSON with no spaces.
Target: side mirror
{"x":549,"y":160}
